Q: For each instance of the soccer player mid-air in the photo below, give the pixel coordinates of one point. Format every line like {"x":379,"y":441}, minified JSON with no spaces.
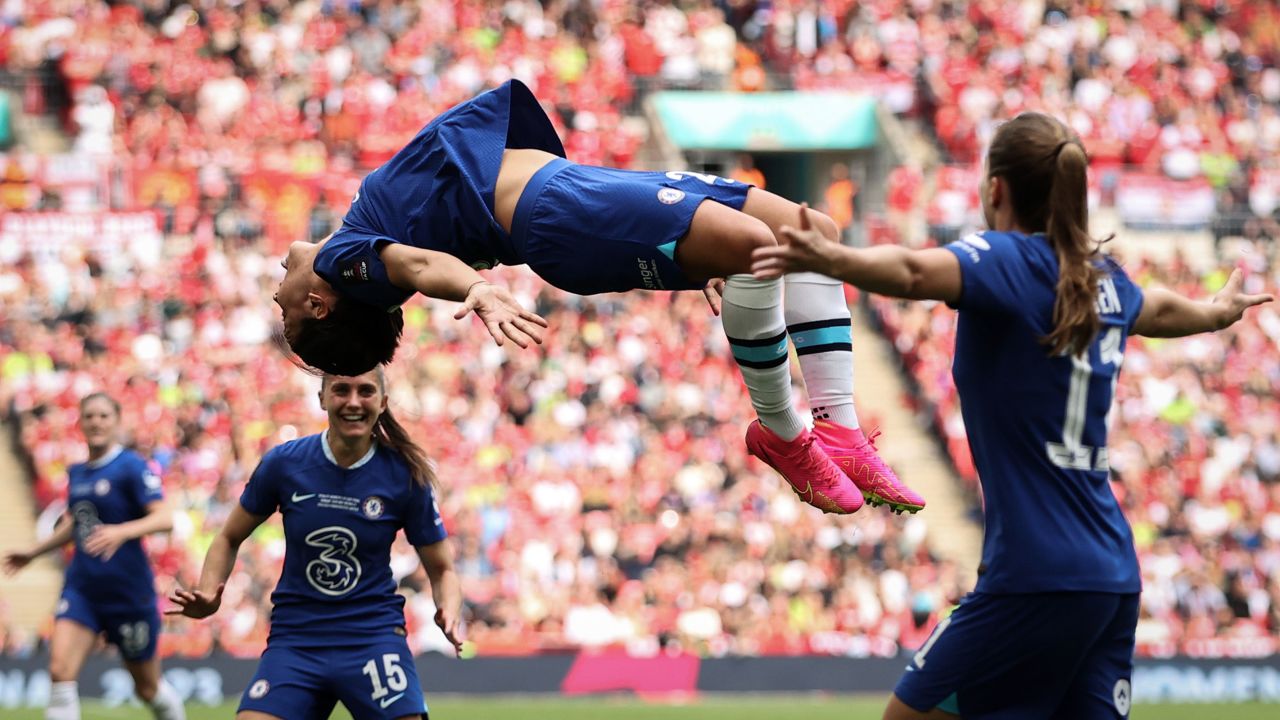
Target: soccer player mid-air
{"x":337,"y":625}
{"x":486,"y":183}
{"x":1043,"y":321}
{"x":113,"y":500}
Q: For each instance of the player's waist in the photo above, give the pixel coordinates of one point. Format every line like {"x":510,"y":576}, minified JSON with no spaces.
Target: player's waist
{"x":529,"y":196}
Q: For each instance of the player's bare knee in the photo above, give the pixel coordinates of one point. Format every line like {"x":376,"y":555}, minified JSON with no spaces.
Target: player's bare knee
{"x":825,"y":225}
{"x":145,"y":690}
{"x":62,"y":670}
{"x":756,"y":234}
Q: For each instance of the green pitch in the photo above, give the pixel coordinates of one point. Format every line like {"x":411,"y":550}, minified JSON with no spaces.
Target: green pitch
{"x":761,"y":707}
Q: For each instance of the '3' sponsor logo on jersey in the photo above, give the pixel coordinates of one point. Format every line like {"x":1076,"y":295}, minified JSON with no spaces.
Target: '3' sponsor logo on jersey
{"x":336,"y":571}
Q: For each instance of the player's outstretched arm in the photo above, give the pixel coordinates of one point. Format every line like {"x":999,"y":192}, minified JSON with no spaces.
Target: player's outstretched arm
{"x":445,"y":277}
{"x":446,"y":589}
{"x":106,"y":539}
{"x":1167,"y":314}
{"x":206,"y":597}
{"x":932,"y":274}
{"x":61,"y":535}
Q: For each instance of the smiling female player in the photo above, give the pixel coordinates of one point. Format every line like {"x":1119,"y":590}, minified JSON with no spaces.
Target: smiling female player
{"x":114,"y":499}
{"x":1044,"y":317}
{"x":337,"y":626}
{"x":486,"y":183}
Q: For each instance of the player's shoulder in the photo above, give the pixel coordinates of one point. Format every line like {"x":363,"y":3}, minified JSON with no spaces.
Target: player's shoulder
{"x":132,"y":460}
{"x":392,"y":467}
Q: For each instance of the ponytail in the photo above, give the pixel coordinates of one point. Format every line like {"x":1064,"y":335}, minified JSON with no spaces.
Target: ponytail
{"x":1045,"y":168}
{"x":1075,"y":309}
{"x":391,"y":433}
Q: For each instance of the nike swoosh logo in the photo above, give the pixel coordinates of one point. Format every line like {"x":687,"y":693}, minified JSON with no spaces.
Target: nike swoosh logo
{"x":386,"y":702}
{"x":300,"y":498}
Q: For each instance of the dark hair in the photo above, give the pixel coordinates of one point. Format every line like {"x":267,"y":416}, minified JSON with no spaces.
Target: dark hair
{"x":99,"y":395}
{"x":388,"y":431}
{"x":352,"y":339}
{"x":1044,"y":167}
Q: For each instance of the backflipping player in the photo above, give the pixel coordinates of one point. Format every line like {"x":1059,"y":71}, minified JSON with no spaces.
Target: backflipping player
{"x":486,"y":183}
{"x":1049,"y":630}
{"x":337,"y":628}
{"x":113,"y":500}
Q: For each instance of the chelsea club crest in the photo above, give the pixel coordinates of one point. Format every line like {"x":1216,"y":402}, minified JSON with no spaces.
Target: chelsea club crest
{"x":373,"y":507}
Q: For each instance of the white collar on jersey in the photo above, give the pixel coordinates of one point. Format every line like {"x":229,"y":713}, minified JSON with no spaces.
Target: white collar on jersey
{"x":328,"y":452}
{"x":110,"y":455}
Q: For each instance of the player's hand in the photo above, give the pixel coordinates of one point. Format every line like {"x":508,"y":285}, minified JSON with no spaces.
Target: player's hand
{"x":451,"y":625}
{"x":805,"y":250}
{"x":15,"y":561}
{"x":105,"y":540}
{"x":195,"y":604}
{"x":714,"y":292}
{"x":502,"y":315}
{"x":1231,"y":303}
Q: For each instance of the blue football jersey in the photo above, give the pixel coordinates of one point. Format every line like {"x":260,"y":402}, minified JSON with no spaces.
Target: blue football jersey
{"x":1037,"y":424}
{"x":437,"y":193}
{"x":336,"y":587}
{"x":113,"y":489}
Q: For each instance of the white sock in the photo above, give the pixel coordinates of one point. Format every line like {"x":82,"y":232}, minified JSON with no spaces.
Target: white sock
{"x":753,"y":321}
{"x":819,"y":324}
{"x":64,"y":701}
{"x":167,"y":705}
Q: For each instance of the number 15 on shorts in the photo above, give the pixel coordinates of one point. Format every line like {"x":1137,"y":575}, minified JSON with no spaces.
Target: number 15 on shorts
{"x":390,"y":680}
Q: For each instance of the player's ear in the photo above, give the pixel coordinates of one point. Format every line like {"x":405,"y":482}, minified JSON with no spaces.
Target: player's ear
{"x":318,"y":306}
{"x":995,"y":191}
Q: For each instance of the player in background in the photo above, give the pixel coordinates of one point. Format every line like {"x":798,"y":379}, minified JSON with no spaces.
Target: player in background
{"x":486,"y":183}
{"x":1044,"y":317}
{"x":113,"y":500}
{"x":337,"y":625}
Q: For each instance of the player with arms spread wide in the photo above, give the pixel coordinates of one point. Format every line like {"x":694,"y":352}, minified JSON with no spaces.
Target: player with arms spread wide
{"x":486,"y":183}
{"x":337,"y":626}
{"x":114,"y":499}
{"x":1044,"y":317}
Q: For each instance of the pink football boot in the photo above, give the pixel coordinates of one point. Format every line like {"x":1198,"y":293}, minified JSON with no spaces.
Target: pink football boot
{"x":813,"y":475}
{"x":855,"y":454}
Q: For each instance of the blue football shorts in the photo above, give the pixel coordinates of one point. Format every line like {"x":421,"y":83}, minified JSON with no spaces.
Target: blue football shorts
{"x":377,"y":681}
{"x":134,"y":631}
{"x":1044,"y":655}
{"x":588,"y":230}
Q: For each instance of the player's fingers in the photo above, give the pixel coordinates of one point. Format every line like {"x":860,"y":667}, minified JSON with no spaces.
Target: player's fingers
{"x":1251,"y":300}
{"x":804,"y":216}
{"x":795,"y":238}
{"x":467,"y":306}
{"x":514,"y":333}
{"x":769,"y":264}
{"x":769,"y":252}
{"x":534,"y":318}
{"x":495,"y":331}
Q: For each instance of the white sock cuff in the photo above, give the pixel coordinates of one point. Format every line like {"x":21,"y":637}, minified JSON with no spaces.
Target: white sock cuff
{"x":748,"y":292}
{"x":811,"y":278}
{"x":64,"y":701}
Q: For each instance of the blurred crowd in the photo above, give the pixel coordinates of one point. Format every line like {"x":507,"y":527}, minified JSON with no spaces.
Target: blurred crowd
{"x":597,"y":490}
{"x":1195,"y":454}
{"x":201,"y":97}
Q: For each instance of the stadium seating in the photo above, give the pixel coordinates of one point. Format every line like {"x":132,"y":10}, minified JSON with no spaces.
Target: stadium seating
{"x":598,"y":494}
